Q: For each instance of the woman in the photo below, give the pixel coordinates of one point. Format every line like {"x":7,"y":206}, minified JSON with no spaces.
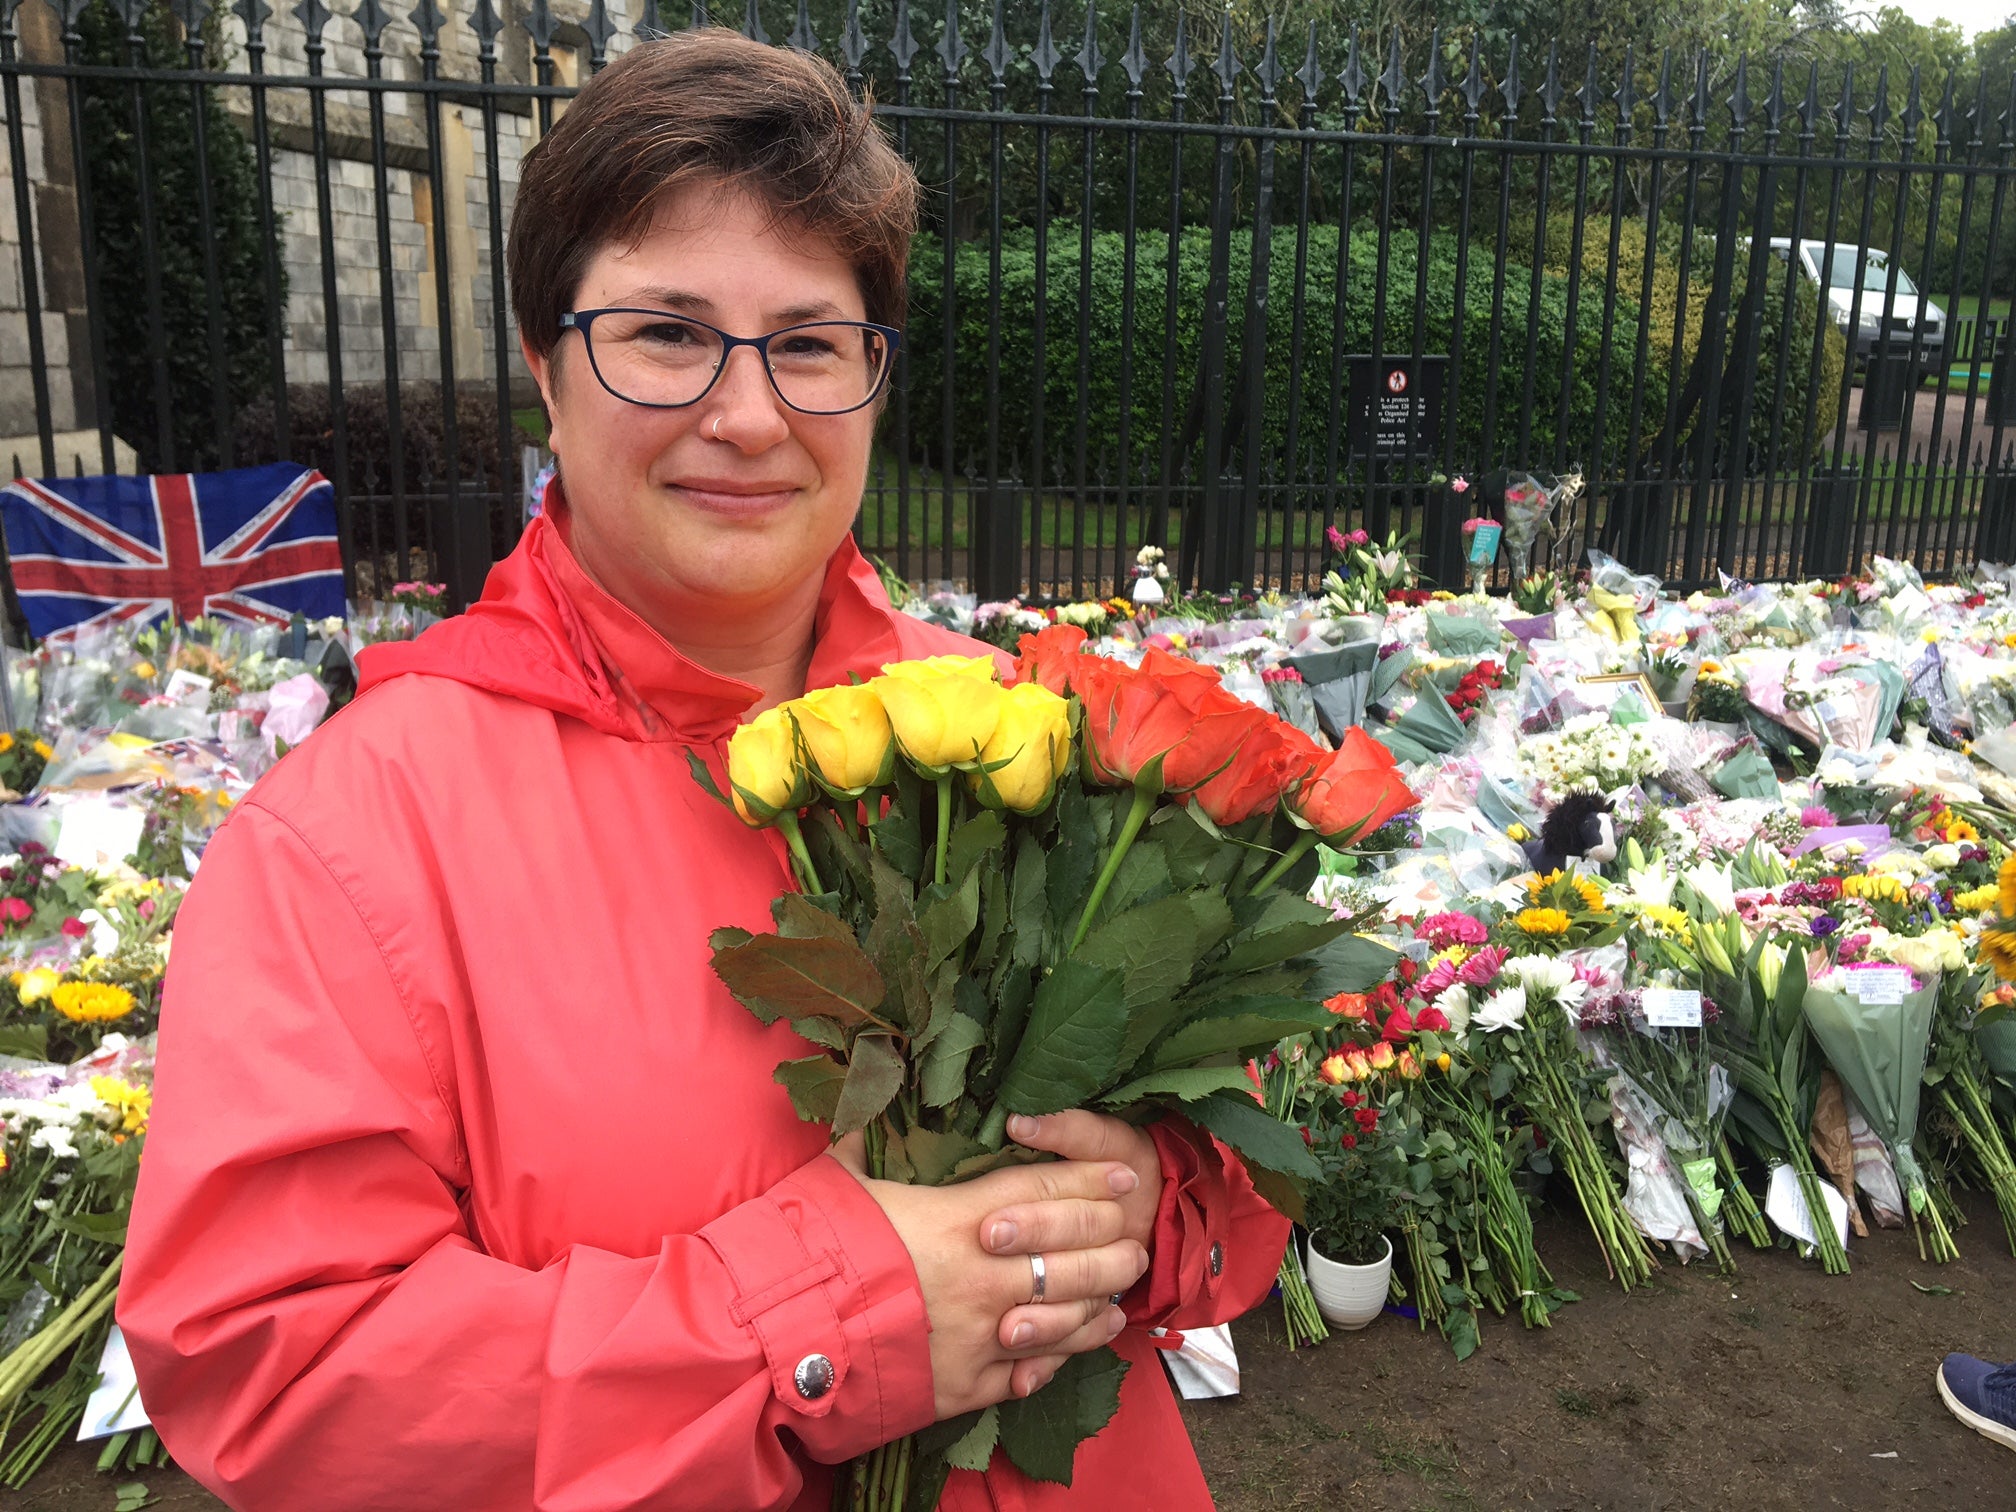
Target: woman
{"x":468,"y":1185}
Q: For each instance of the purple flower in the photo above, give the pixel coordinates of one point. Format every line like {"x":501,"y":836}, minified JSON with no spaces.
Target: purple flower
{"x":1824,"y":926}
{"x":1710,"y":1010}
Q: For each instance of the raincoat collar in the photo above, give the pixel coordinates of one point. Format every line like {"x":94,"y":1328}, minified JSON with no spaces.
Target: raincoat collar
{"x":547,"y":633}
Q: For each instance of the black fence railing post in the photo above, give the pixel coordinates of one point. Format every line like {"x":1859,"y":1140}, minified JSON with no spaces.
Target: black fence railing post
{"x":1674,"y":288}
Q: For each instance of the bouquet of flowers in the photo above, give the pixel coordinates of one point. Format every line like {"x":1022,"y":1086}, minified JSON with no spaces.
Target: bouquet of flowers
{"x":1589,"y":754}
{"x":1875,"y":1024}
{"x":1537,"y":592}
{"x":1528,"y":1023}
{"x":1082,"y":889}
{"x":1374,"y":571}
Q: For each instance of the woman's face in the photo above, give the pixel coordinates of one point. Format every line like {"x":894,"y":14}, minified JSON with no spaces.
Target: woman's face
{"x":733,"y":505}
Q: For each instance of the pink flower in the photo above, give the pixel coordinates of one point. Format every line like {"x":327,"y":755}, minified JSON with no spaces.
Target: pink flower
{"x":76,"y":929}
{"x":1816,"y":818}
{"x":1445,"y":929}
{"x":1438,"y":980}
{"x":1336,"y":538}
{"x":16,"y":911}
{"x":146,"y":909}
{"x":1470,"y":525}
{"x":1851,"y":949}
{"x":1459,"y":485}
{"x":1481,"y":968}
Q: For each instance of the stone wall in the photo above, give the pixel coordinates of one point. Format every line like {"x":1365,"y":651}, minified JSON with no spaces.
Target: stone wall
{"x":357,"y":318}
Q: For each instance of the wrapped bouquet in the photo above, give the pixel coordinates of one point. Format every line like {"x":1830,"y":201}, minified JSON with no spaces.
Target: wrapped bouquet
{"x":1082,"y":889}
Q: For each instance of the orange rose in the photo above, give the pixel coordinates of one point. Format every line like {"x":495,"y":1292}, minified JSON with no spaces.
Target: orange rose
{"x":1353,"y":790}
{"x":1051,"y":656}
{"x":1164,"y":733}
{"x":1273,"y":763}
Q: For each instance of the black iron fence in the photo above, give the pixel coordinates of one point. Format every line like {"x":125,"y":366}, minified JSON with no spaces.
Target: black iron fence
{"x":1215,"y":293}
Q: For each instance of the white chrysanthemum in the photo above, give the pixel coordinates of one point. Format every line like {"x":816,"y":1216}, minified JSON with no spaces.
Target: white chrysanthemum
{"x":1505,"y":1009}
{"x":1455,"y":1004}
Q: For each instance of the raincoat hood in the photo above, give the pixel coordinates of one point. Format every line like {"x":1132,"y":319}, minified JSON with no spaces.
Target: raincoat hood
{"x":546,"y":633}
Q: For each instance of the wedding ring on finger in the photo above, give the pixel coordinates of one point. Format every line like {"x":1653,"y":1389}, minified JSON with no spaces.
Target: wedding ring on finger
{"x":1039,"y":1279}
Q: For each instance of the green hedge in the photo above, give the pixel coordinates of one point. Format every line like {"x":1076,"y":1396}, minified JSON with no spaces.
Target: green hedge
{"x":1546,"y":353}
{"x":1060,"y":386}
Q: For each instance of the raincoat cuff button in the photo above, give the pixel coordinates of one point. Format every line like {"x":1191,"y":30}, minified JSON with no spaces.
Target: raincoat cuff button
{"x":1217,"y":1258}
{"x":813,"y":1377}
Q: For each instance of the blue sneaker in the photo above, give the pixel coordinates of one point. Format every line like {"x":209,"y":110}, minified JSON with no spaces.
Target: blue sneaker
{"x":1982,"y":1395}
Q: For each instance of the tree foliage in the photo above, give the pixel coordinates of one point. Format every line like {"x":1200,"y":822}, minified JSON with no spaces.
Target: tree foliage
{"x":179,"y":237}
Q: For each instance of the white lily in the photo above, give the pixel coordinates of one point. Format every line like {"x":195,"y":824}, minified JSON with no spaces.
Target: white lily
{"x":1651,"y":884}
{"x":1714,"y":886}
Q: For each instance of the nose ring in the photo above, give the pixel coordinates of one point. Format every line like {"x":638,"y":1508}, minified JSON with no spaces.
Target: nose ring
{"x":717,"y":427}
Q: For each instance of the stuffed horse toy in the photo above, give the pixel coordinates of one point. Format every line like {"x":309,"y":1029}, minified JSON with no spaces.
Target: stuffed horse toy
{"x":1582,"y":825}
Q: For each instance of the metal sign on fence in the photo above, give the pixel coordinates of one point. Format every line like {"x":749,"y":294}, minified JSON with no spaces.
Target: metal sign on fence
{"x":1396,"y":405}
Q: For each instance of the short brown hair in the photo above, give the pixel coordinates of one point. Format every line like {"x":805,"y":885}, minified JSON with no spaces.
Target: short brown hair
{"x":708,"y":105}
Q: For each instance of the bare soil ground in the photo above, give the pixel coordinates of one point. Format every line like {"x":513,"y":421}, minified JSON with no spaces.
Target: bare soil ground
{"x":1779,"y":1388}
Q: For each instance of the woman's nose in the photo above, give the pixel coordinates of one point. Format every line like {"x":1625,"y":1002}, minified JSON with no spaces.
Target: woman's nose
{"x":746,"y":405}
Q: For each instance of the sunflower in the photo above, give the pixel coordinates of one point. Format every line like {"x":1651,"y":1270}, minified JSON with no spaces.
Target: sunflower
{"x":2005,"y":882}
{"x":1591,"y":895}
{"x":1537,"y":884}
{"x":1541,"y":921}
{"x":92,"y":1002}
{"x":1998,"y":949}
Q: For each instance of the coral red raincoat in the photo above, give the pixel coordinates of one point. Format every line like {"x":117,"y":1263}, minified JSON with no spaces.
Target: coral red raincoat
{"x":468,"y":1188}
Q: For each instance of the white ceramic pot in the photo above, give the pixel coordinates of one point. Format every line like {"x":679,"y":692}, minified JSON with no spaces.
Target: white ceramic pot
{"x":1348,"y":1296}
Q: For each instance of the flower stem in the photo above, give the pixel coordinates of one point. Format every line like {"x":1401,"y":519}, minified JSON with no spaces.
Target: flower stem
{"x":801,"y":859}
{"x":944,"y":825}
{"x":1144,"y":804}
{"x":1304,"y":843}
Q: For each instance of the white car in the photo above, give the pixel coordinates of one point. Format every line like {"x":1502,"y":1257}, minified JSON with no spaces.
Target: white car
{"x":1908,"y":317}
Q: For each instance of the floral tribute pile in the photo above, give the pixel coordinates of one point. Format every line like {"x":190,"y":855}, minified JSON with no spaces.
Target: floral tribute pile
{"x":1767,"y":1008}
{"x":128,"y":746}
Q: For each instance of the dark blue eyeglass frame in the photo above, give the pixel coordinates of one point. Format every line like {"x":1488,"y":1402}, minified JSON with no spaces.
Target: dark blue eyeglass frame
{"x":583,"y":320}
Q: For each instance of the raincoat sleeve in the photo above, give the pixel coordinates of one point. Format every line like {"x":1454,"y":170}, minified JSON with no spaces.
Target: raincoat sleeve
{"x":316,"y":1329}
{"x":1218,"y":1243}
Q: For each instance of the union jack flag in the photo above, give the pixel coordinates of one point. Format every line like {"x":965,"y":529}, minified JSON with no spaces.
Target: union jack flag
{"x":256,"y":544}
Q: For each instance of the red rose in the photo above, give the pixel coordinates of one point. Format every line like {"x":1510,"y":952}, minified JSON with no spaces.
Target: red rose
{"x":1168,"y":733}
{"x":1353,"y":791}
{"x":76,"y":929}
{"x":15,"y":911}
{"x":1368,"y":1119}
{"x":1431,"y":1021}
{"x":1398,"y":1026}
{"x":1351,"y":1099}
{"x":1051,"y":657}
{"x":1349,"y":1141}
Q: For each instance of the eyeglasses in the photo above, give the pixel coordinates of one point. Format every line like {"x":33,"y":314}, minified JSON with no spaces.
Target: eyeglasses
{"x":666,"y":361}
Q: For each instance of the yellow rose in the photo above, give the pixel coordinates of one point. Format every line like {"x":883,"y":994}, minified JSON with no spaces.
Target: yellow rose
{"x":943,"y":709}
{"x":1033,"y":736}
{"x":847,"y":737}
{"x":764,"y":772}
{"x":34,"y":985}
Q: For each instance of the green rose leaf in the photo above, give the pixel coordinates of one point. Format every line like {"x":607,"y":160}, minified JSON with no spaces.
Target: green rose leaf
{"x":1254,"y":1133}
{"x":1071,"y":1045}
{"x":946,"y":1061}
{"x":814,"y":1084}
{"x":1041,"y":1433}
{"x":1238,"y":1025}
{"x":774,"y":977}
{"x":974,"y":1450}
{"x":1186,"y":1084}
{"x":799,"y":918}
{"x":874,"y":1076}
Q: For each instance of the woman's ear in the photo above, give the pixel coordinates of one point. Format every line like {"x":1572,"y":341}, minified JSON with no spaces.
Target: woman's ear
{"x":545,"y":371}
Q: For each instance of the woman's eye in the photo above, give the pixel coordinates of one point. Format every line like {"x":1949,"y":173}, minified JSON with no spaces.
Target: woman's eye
{"x":667,"y":335}
{"x":806,"y":346}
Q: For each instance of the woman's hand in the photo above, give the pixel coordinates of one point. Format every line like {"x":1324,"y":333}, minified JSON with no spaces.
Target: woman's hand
{"x":971,"y":1245}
